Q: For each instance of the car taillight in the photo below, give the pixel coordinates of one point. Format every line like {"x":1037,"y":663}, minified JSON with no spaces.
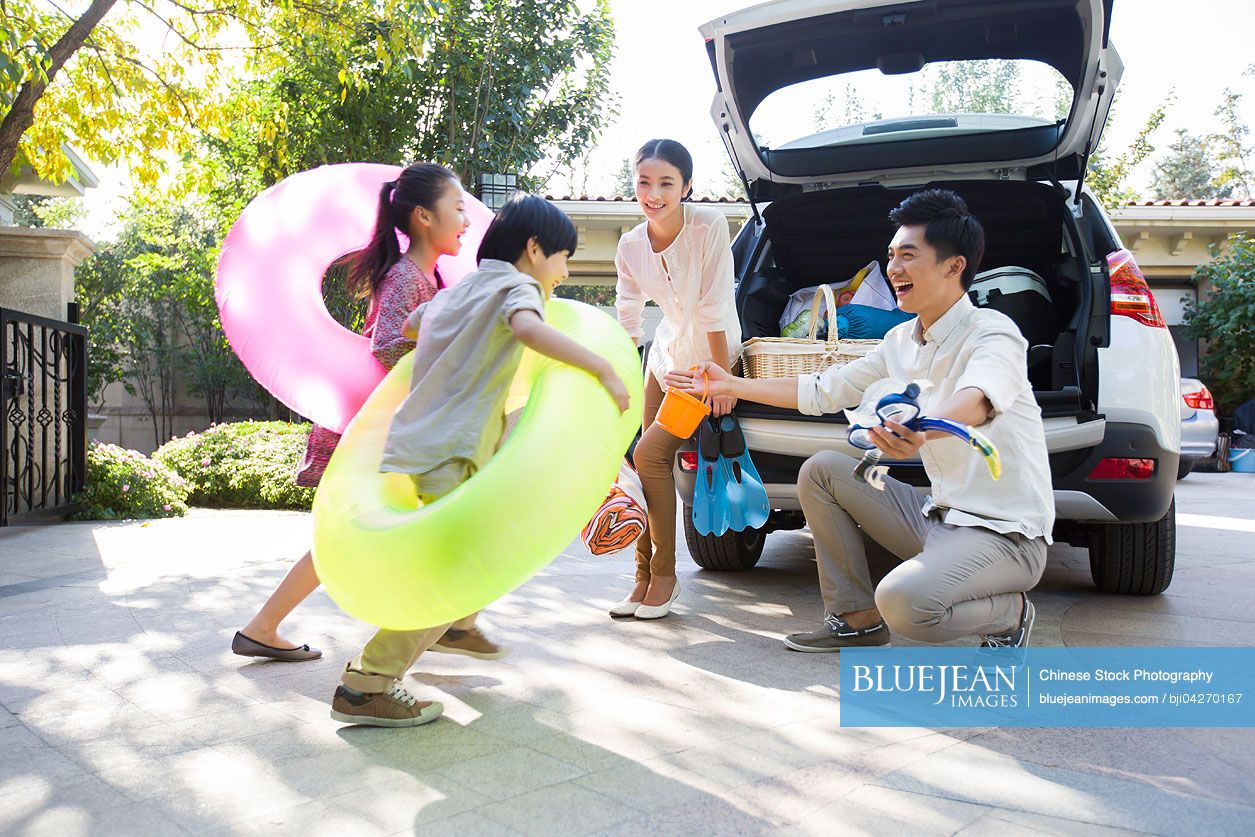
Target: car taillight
{"x":1130,"y":295}
{"x":1117,"y":468}
{"x":688,"y":460}
{"x":1200,"y":400}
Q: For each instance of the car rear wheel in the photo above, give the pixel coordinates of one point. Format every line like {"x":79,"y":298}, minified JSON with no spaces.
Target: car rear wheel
{"x":731,"y":551}
{"x":1184,"y":467}
{"x":1136,"y":558}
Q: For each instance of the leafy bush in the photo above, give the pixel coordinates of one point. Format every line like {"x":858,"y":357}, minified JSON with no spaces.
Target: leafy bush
{"x":124,"y":483}
{"x":242,"y":465}
{"x":1225,"y":318}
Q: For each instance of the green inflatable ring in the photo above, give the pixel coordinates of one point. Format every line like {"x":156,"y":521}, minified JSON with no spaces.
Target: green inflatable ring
{"x":389,"y":562}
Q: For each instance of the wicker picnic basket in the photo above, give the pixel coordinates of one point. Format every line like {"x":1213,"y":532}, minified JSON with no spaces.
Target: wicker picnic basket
{"x":784,"y":357}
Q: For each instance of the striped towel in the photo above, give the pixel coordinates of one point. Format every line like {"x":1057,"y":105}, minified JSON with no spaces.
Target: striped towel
{"x":621,"y":519}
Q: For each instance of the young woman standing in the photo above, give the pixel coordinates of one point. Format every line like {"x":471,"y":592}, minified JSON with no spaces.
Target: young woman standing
{"x":681,"y":258}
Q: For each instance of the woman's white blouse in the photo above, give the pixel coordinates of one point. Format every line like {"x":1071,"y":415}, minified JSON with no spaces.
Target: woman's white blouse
{"x":690,"y":281}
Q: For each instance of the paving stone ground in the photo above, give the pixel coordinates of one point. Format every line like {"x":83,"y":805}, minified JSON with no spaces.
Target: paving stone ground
{"x":122,"y":710}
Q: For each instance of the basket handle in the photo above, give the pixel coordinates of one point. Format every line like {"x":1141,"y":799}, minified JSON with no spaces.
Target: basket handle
{"x":832,"y":314}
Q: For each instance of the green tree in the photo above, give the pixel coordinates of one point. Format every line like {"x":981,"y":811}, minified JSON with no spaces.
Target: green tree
{"x":1236,"y":156}
{"x":976,"y":87}
{"x":1108,"y":174}
{"x":49,"y":212}
{"x":89,"y":79}
{"x":1062,"y":99}
{"x":516,"y":87}
{"x":852,"y":110}
{"x":603,"y":295}
{"x":150,"y":349}
{"x":729,"y":184}
{"x":178,"y":250}
{"x":1188,"y":170}
{"x":578,"y":171}
{"x":625,"y":180}
{"x":1226,"y":320}
{"x":100,"y":284}
{"x":147,"y":299}
{"x":509,"y":86}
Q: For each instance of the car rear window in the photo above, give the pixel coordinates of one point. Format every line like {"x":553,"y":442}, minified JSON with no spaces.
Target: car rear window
{"x":945,"y":98}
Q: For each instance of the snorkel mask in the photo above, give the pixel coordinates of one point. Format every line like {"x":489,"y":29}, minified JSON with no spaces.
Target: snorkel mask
{"x":903,"y":407}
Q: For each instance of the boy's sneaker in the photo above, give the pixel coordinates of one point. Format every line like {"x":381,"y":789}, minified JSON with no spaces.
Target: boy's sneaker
{"x":469,"y":643}
{"x":393,"y":708}
{"x":1017,"y":638}
{"x":837,"y":634}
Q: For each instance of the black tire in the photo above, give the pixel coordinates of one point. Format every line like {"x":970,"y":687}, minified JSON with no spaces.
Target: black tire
{"x":1184,"y":467}
{"x":729,"y":552}
{"x":1134,"y":558}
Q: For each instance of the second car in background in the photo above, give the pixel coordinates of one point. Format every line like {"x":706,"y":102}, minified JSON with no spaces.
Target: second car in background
{"x":1199,"y":425}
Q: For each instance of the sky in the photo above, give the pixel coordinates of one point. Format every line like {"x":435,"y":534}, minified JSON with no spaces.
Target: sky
{"x":665,"y":85}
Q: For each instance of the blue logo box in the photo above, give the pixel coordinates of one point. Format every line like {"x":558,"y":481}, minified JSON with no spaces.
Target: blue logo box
{"x":1048,"y":687}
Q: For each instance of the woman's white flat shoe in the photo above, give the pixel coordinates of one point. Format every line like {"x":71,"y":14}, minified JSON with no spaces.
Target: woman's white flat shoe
{"x":627,"y":607}
{"x":658,"y":611}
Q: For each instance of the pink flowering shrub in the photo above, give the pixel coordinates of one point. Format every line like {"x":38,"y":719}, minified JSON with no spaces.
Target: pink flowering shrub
{"x":242,"y":465}
{"x":123,"y":484}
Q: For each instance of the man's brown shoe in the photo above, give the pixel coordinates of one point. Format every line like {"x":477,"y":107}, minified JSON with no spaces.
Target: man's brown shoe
{"x":393,"y":708}
{"x":836,"y":634}
{"x":470,"y":643}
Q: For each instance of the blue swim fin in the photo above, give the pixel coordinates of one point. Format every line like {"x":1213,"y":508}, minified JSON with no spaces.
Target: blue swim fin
{"x":744,"y":500}
{"x":708,"y":518}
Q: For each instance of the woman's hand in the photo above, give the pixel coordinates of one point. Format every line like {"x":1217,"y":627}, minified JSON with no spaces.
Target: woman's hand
{"x":721,"y":405}
{"x":896,"y":441}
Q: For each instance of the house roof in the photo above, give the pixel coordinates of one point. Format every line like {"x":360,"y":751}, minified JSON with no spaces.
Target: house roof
{"x":26,"y":182}
{"x":1225,"y":202}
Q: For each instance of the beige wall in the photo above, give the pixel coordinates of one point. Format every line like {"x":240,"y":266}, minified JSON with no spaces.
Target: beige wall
{"x":37,"y":269}
{"x":124,"y":419}
{"x":601,"y":223}
{"x":1169,"y":242}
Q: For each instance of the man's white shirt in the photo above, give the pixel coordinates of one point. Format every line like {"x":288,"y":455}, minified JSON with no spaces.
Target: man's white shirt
{"x":966,"y":347}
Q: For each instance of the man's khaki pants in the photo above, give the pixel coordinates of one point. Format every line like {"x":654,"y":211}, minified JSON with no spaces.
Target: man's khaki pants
{"x":953,"y":581}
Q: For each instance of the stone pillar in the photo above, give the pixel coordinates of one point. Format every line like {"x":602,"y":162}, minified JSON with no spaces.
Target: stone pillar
{"x":37,"y":269}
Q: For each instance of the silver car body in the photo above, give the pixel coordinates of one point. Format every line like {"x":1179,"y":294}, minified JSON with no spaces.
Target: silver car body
{"x":1199,"y":428}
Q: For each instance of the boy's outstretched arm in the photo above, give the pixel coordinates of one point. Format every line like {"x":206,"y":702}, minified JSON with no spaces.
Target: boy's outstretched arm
{"x":530,"y":330}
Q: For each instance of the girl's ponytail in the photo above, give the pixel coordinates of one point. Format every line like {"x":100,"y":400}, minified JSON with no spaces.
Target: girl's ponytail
{"x":421,"y":184}
{"x":382,"y":253}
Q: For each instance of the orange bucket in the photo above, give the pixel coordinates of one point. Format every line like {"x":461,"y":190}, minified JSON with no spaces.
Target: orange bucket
{"x":681,"y":413}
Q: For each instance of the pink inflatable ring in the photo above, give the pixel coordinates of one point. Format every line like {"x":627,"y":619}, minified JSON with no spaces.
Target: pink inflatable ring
{"x":269,"y":286}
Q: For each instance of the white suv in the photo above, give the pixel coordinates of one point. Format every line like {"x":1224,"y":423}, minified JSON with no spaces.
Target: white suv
{"x":1107,"y":382}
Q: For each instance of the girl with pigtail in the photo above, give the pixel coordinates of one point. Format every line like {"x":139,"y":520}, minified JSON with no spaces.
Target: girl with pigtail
{"x":426,"y":204}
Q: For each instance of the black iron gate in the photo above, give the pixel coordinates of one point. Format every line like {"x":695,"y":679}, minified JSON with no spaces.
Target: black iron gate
{"x":43,"y":416}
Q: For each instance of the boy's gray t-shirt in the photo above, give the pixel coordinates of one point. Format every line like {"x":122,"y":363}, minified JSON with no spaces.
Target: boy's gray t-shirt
{"x":464,"y":363}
